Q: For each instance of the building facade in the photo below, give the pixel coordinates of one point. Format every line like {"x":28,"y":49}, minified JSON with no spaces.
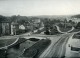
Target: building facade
{"x":6,"y":29}
{"x":14,"y":28}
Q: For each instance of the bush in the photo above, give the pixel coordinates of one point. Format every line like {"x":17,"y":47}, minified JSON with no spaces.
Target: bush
{"x":78,"y":26}
{"x":33,"y":39}
{"x":47,"y":32}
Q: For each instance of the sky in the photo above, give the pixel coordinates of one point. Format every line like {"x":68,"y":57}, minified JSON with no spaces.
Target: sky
{"x":39,"y":7}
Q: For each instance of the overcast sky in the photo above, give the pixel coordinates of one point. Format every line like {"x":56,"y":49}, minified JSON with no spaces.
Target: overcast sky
{"x":39,"y":7}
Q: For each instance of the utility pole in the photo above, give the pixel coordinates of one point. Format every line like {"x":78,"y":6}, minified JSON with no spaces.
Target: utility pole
{"x":65,"y":21}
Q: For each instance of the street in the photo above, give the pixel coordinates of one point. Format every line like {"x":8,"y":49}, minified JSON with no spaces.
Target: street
{"x":39,"y":29}
{"x":57,"y":48}
{"x":73,"y":47}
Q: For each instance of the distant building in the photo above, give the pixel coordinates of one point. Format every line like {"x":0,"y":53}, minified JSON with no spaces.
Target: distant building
{"x":22,"y":27}
{"x":76,"y":20}
{"x":37,"y":23}
{"x":37,"y":20}
{"x":0,"y":29}
{"x":42,"y":25}
{"x":14,"y":28}
{"x":6,"y":28}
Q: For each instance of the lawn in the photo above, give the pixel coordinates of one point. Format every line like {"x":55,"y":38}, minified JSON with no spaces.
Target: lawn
{"x":14,"y":53}
{"x":75,"y":30}
{"x":26,"y":49}
{"x":65,"y":29}
{"x":35,"y":50}
{"x":5,"y":42}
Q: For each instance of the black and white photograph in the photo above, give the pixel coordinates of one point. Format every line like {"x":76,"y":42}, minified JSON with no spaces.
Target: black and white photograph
{"x":39,"y":28}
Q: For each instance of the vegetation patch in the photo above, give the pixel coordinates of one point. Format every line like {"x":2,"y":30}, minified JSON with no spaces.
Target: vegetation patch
{"x":75,"y":30}
{"x":14,"y":53}
{"x":35,"y":50}
{"x":5,"y":42}
{"x":65,"y":29}
{"x":34,"y":39}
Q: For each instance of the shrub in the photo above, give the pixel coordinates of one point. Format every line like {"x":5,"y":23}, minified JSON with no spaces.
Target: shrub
{"x":33,"y":39}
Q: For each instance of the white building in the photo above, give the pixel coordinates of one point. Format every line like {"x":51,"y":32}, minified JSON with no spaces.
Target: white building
{"x":76,"y":20}
{"x":22,"y":27}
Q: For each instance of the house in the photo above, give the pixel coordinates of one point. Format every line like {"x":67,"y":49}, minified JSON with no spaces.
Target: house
{"x":14,"y":28}
{"x":0,"y":29}
{"x":37,"y":23}
{"x":76,"y":20}
{"x":8,"y":27}
{"x":22,"y":27}
{"x":5,"y":27}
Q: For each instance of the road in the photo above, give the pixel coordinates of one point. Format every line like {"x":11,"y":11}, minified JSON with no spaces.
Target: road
{"x":16,"y":36}
{"x":56,"y":48}
{"x":71,"y":29}
{"x":59,"y":29}
{"x":72,"y":43}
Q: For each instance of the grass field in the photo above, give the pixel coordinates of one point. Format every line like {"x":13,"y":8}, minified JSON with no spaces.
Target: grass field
{"x":65,"y":29}
{"x":5,"y":42}
{"x":75,"y":30}
{"x":35,"y":50}
{"x":14,"y":53}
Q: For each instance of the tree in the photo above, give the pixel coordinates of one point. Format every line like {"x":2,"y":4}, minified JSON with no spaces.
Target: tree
{"x":2,"y":18}
{"x":47,"y":32}
{"x":70,"y":21}
{"x":78,"y":25}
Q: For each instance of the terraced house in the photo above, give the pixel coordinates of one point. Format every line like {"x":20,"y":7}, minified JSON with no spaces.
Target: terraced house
{"x":9,"y":28}
{"x":5,"y":27}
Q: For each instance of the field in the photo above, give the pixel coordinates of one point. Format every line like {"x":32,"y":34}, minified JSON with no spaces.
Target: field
{"x":5,"y":42}
{"x":13,"y":53}
{"x":75,"y":30}
{"x":65,"y":29}
{"x":35,"y":50}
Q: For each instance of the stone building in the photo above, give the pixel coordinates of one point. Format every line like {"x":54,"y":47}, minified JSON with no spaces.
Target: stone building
{"x":9,"y":28}
{"x":6,"y":28}
{"x":14,"y":28}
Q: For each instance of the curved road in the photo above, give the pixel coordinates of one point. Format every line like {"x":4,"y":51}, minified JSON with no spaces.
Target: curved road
{"x":57,"y":46}
{"x":64,"y":32}
{"x":56,"y":49}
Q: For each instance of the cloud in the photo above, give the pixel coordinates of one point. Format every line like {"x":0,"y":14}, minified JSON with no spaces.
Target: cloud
{"x":39,"y":7}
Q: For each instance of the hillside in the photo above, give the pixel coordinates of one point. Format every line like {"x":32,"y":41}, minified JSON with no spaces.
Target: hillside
{"x":76,"y":16}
